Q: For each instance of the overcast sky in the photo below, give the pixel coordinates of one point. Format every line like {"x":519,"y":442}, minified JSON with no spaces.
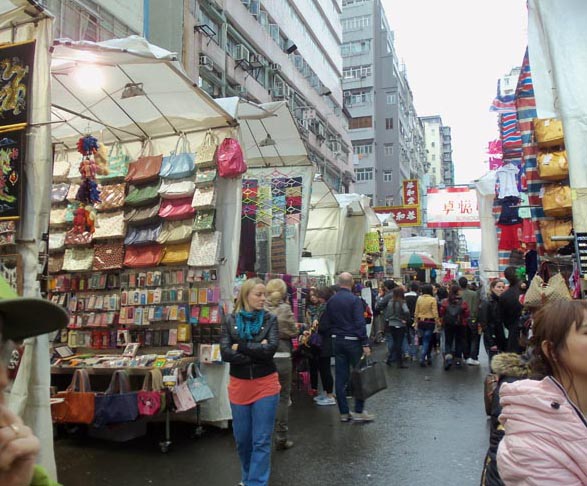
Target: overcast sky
{"x":454,"y":52}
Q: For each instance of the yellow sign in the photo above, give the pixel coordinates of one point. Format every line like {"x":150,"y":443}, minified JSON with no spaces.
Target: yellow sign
{"x":389,"y":239}
{"x":372,"y":242}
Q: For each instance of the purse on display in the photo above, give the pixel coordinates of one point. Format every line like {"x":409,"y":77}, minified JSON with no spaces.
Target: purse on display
{"x":204,"y":197}
{"x":541,"y":292}
{"x":78,"y":406}
{"x":205,"y":249}
{"x":553,"y":166}
{"x":61,"y":166}
{"x":59,"y":192}
{"x":176,"y":254}
{"x":143,"y":195}
{"x":118,"y":161}
{"x":73,"y":238}
{"x":72,"y":192}
{"x":177,"y":189}
{"x":143,"y":256}
{"x":205,"y":155}
{"x":57,"y":217}
{"x":548,"y":132}
{"x":205,"y":220}
{"x":56,"y":241}
{"x":142,"y":215}
{"x":110,"y":225}
{"x":179,"y":164}
{"x":55,"y":263}
{"x":556,"y":201}
{"x":176,"y":232}
{"x":78,"y":259}
{"x":205,"y":177}
{"x":151,"y":398}
{"x":143,"y":235}
{"x":118,"y":404}
{"x":230,"y":159}
{"x":146,"y":168}
{"x":554,"y":227}
{"x":108,"y":256}
{"x":182,"y":396}
{"x":198,"y":384}
{"x":176,"y":208}
{"x":112,"y":196}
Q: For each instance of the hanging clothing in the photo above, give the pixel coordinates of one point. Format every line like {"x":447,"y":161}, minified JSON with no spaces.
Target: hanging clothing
{"x":531,"y":260}
{"x":506,"y":179}
{"x":509,"y":238}
{"x":509,"y":211}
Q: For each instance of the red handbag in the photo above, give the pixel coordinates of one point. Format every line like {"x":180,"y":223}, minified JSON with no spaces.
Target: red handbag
{"x":177,"y":208}
{"x":143,"y":256}
{"x":230,"y":159}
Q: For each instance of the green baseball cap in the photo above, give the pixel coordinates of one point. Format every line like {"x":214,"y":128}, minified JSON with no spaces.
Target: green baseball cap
{"x":27,"y":317}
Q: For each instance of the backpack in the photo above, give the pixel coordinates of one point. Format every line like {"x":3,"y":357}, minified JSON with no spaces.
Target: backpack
{"x":452,"y":316}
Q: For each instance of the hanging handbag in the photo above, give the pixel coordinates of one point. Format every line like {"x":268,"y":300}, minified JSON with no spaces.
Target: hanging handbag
{"x":554,"y":227}
{"x":143,"y":235}
{"x":146,"y":168}
{"x":230,"y":159}
{"x":179,"y":164}
{"x":548,"y":132}
{"x":556,"y":201}
{"x":142,"y":215}
{"x":205,"y":177}
{"x":205,"y":155}
{"x":118,"y":161}
{"x":151,"y":398}
{"x":118,"y":404}
{"x":182,"y":396}
{"x":143,"y":195}
{"x":176,"y":254}
{"x":367,"y":378}
{"x":61,"y":166}
{"x":78,"y":259}
{"x":204,"y":197}
{"x":553,"y":166}
{"x":55,"y":263}
{"x":175,"y":231}
{"x":543,"y":289}
{"x":205,"y":220}
{"x":198,"y":384}
{"x":57,"y":217}
{"x":72,"y":192}
{"x":176,"y":208}
{"x":173,"y":189}
{"x":111,"y":197}
{"x":59,"y":192}
{"x":143,"y":256}
{"x":108,"y":256}
{"x":56,"y":241}
{"x":73,"y":238}
{"x":110,"y":225}
{"x":78,"y":404}
{"x":205,"y":249}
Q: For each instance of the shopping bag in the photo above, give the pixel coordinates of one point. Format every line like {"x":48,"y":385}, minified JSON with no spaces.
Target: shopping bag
{"x":118,"y":404}
{"x":553,"y":166}
{"x":367,"y":378}
{"x":557,"y":200}
{"x":230,"y":159}
{"x":198,"y":384}
{"x":151,"y":398}
{"x":78,"y":401}
{"x":548,"y":132}
{"x":182,"y":396}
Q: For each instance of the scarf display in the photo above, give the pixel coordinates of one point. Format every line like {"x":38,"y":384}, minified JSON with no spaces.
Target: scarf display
{"x":249,"y":323}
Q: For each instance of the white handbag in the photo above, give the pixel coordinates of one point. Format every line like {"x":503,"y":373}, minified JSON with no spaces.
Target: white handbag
{"x":171,"y":189}
{"x":204,"y":198}
{"x":78,"y":259}
{"x":56,"y":241}
{"x":176,"y":231}
{"x":57,"y":217}
{"x":205,"y":249}
{"x":110,"y":225}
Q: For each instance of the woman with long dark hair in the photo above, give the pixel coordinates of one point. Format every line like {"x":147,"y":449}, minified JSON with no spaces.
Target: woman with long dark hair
{"x":454,"y":313}
{"x":396,"y":318}
{"x":545,"y":421}
{"x":489,"y":317}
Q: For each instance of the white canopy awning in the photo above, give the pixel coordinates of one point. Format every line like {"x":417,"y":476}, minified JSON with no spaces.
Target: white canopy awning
{"x":89,"y":79}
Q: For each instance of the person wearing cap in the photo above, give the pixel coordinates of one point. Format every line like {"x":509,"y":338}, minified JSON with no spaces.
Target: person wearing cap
{"x":21,"y":318}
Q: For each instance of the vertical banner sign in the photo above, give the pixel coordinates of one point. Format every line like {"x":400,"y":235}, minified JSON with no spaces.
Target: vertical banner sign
{"x":16,"y":72}
{"x":411,"y":192}
{"x":11,"y":163}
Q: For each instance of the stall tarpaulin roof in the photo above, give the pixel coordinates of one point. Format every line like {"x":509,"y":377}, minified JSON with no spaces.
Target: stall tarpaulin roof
{"x":260,"y":121}
{"x":89,"y":79}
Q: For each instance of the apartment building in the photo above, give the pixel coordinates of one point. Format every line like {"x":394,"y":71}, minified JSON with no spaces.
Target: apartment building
{"x":386,"y":133}
{"x":259,"y":50}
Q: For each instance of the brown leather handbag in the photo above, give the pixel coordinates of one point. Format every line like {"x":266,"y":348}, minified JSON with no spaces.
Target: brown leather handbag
{"x":146,"y":168}
{"x":78,"y":401}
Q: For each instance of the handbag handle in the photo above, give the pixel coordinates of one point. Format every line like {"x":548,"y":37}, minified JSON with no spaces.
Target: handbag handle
{"x":80,"y":382}
{"x":156,"y":379}
{"x":119,"y":383}
{"x":146,"y":148}
{"x":185,"y":147}
{"x":544,"y":272}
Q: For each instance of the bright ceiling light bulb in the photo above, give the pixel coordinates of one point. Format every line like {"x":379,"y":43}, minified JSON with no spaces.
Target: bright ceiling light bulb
{"x":89,"y":77}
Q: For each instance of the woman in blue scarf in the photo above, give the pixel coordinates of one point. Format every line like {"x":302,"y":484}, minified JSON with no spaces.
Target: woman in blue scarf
{"x":248,"y":342}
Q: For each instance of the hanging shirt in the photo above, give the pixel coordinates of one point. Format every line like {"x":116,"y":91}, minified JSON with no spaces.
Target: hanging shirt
{"x":506,"y":178}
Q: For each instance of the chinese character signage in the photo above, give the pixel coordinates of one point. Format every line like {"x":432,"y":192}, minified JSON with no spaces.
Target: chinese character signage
{"x":402,"y":215}
{"x":454,"y":207}
{"x":11,"y":162}
{"x":411,"y":192}
{"x":16,"y":67}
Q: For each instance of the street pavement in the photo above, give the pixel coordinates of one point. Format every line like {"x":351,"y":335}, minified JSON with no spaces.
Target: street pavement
{"x":430,"y":429}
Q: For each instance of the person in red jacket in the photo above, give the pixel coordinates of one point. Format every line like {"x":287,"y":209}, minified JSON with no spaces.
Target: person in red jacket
{"x":454,"y":313}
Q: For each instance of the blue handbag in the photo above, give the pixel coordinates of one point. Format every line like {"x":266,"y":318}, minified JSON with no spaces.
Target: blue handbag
{"x":142,"y":235}
{"x":198,"y":384}
{"x":118,"y":404}
{"x":179,"y":165}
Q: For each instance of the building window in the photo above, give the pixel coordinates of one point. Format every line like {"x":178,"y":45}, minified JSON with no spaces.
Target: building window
{"x":357,"y":96}
{"x":363,"y":149}
{"x":388,"y":149}
{"x":355,"y":48}
{"x":360,"y":122}
{"x":364,"y":174}
{"x":356,"y":23}
{"x":433,"y":144}
{"x":387,"y":175}
{"x":392,"y":99}
{"x":389,"y":200}
{"x":357,"y":72}
{"x":389,"y":123}
{"x":354,"y":2}
{"x":433,"y":157}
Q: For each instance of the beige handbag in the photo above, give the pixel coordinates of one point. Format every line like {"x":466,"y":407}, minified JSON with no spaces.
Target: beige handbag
{"x":541,"y":292}
{"x":176,"y":231}
{"x":110,"y":225}
{"x":72,"y":193}
{"x":111,"y":197}
{"x":78,"y":259}
{"x":554,"y":227}
{"x":171,"y":189}
{"x":205,"y":249}
{"x":553,"y":166}
{"x":57,"y":217}
{"x":61,"y":167}
{"x":204,"y":198}
{"x":556,"y":201}
{"x":56,"y":241}
{"x":205,"y":155}
{"x":548,"y":132}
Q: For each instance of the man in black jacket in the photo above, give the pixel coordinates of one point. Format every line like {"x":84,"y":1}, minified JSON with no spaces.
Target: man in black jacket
{"x":510,"y":309}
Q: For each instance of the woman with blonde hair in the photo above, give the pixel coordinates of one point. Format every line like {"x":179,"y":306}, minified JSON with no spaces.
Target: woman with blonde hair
{"x":277,"y":304}
{"x":248,"y":342}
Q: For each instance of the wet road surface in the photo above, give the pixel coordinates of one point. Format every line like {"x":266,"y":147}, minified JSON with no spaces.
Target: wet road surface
{"x":430,"y":429}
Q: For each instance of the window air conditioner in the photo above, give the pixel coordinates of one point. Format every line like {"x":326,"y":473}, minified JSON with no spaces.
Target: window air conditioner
{"x":275,"y":67}
{"x":206,"y":62}
{"x":241,"y":53}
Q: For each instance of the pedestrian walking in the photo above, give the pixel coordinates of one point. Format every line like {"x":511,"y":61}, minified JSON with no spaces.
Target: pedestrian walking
{"x":472,"y":331}
{"x":313,"y":311}
{"x":344,"y":317}
{"x":325,"y":350}
{"x":510,"y":309}
{"x":384,"y":298}
{"x":396,"y":319}
{"x":489,"y":318}
{"x":277,"y":305}
{"x":426,"y":320}
{"x":454,"y":313}
{"x":248,"y":342}
{"x":545,"y":422}
{"x":411,"y":298}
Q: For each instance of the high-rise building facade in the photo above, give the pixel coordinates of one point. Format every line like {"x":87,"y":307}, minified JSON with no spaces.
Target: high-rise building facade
{"x":387,"y":135}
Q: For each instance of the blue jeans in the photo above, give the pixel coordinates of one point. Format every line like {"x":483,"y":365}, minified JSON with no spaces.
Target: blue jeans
{"x":426,"y":330}
{"x":252,"y":426}
{"x":347,"y":354}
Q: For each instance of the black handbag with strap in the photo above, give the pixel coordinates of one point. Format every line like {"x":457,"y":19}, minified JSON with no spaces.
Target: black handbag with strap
{"x":367,"y":378}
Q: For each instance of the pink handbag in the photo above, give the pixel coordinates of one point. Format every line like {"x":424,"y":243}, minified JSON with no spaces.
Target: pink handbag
{"x":177,"y":208}
{"x":230,"y":159}
{"x":151,"y":398}
{"x":182,"y":396}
